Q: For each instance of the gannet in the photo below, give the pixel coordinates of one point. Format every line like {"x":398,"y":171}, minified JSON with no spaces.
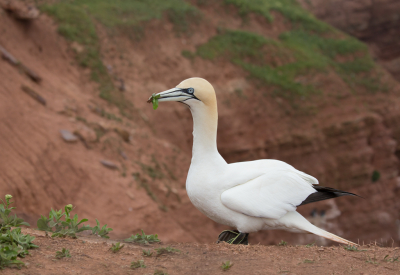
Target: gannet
{"x":249,"y":196}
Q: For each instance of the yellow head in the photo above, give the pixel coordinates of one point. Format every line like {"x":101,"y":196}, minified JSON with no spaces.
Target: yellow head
{"x":191,"y":91}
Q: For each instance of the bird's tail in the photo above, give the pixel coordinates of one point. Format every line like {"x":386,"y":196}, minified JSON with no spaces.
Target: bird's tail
{"x":296,"y":221}
{"x":330,"y":236}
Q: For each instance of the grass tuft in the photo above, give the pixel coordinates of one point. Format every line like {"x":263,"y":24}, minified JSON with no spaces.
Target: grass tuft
{"x":138,"y":264}
{"x":166,"y":250}
{"x":143,"y":238}
{"x":282,"y":243}
{"x":115,"y":247}
{"x":64,"y":253}
{"x":226,"y":265}
{"x":147,"y":253}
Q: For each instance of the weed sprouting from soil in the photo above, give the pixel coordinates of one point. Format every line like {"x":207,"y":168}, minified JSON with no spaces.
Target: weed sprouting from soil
{"x":226,"y":265}
{"x":352,"y":248}
{"x":166,"y":250}
{"x":13,"y":243}
{"x":159,"y":272}
{"x":143,"y":238}
{"x":307,"y":261}
{"x":138,"y":264}
{"x":310,"y":245}
{"x":147,"y":253}
{"x":372,"y":260}
{"x":64,"y":253}
{"x":70,"y":226}
{"x":392,"y":259}
{"x":115,"y":247}
{"x":101,"y":231}
{"x":282,"y":243}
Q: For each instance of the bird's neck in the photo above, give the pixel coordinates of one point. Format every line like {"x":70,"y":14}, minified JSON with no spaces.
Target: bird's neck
{"x":205,"y":124}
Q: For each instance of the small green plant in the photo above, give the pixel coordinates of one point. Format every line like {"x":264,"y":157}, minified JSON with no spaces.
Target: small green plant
{"x":307,"y":261}
{"x":226,"y":265}
{"x":159,"y":272}
{"x":64,"y":253}
{"x":6,"y":219}
{"x":310,"y":245}
{"x":391,"y":260}
{"x":115,"y":247}
{"x":70,"y":225}
{"x":282,"y":243}
{"x":143,"y":239}
{"x":13,"y":243}
{"x":59,"y":228}
{"x":147,"y":253}
{"x":371,"y":260}
{"x":352,"y":248}
{"x":166,"y":250}
{"x":138,"y":264}
{"x":101,"y":231}
{"x":9,"y":256}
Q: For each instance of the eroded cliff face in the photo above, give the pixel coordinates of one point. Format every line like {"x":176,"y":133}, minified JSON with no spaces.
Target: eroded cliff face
{"x":375,"y":22}
{"x":340,"y":136}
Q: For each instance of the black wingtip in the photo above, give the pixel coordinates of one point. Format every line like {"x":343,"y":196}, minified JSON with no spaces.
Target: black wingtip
{"x":325,"y":193}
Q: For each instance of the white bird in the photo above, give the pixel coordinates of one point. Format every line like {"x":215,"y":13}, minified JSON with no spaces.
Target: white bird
{"x":249,"y":196}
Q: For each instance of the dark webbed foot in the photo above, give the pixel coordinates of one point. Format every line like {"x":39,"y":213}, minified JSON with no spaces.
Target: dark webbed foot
{"x":233,"y":237}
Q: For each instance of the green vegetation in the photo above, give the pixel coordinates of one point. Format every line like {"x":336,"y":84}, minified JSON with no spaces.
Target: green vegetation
{"x":226,"y":265}
{"x":375,"y":176}
{"x":154,"y":99}
{"x":76,"y":19}
{"x":391,"y":260}
{"x":371,"y":260}
{"x":143,"y":238}
{"x":166,"y":250}
{"x":307,"y":261}
{"x":101,"y":231}
{"x":290,"y":9}
{"x":69,"y":226}
{"x":147,"y":253}
{"x":297,"y":53}
{"x":115,"y":247}
{"x":282,"y":243}
{"x":13,"y":243}
{"x":138,"y":264}
{"x":352,"y":248}
{"x":64,"y":253}
{"x":310,"y":245}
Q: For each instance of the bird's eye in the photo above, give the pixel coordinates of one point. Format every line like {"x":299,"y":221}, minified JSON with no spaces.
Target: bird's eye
{"x":190,"y":90}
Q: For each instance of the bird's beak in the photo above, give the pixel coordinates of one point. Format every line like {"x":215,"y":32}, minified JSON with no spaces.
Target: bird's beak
{"x":174,"y":94}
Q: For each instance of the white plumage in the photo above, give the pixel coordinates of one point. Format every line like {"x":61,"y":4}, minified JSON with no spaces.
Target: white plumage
{"x":249,"y":196}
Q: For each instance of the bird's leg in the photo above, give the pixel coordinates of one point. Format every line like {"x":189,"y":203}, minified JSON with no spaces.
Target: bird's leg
{"x":233,"y":237}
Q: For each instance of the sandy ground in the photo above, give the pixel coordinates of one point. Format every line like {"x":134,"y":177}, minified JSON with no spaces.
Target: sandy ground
{"x":92,"y":255}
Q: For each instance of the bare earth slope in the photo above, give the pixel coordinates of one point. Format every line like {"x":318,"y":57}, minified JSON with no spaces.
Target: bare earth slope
{"x":341,"y":137}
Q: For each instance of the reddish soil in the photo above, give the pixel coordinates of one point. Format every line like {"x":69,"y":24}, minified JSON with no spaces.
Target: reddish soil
{"x":343,"y":138}
{"x":93,"y":256}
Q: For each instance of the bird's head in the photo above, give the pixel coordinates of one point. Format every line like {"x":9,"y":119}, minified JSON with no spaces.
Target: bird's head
{"x":192,"y":92}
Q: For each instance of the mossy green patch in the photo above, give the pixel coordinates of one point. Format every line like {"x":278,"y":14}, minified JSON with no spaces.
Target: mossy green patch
{"x":290,"y":9}
{"x":296,"y":54}
{"x":77,"y":19}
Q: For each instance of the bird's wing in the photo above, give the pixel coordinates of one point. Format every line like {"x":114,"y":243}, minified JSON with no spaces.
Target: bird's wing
{"x":270,"y":195}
